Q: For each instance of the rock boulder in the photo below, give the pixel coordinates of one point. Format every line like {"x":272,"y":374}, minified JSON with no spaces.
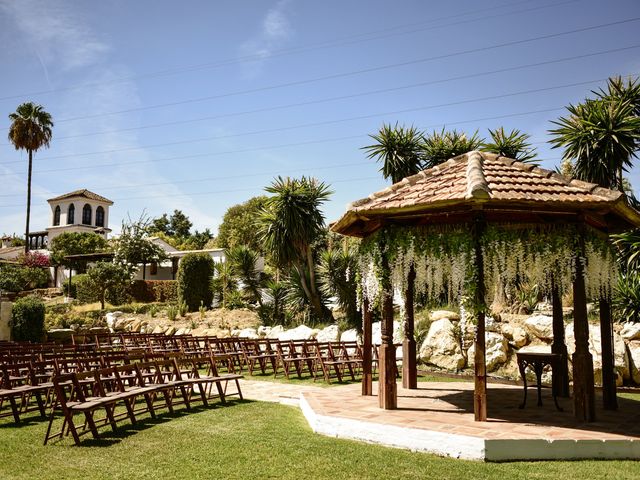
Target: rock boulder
{"x":441,"y":348}
{"x":631,"y":331}
{"x":328,"y":334}
{"x":301,"y":332}
{"x":595,"y":347}
{"x":496,"y":351}
{"x":440,"y":314}
{"x":540,"y":326}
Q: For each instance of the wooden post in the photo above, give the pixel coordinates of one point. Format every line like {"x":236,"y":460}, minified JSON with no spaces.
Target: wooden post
{"x":480,"y":365}
{"x":608,"y":360}
{"x":367,"y":360}
{"x":387,"y":390}
{"x":560,"y":376}
{"x":583,"y":382}
{"x":409,"y":364}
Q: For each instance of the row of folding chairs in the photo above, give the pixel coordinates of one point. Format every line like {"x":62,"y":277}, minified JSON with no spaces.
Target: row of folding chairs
{"x":141,"y":387}
{"x":327,"y":360}
{"x":24,"y":382}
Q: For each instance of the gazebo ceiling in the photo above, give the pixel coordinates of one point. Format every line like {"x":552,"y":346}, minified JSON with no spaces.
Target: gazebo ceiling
{"x":503,"y":187}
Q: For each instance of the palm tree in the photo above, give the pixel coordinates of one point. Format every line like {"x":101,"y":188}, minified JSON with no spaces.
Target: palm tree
{"x":290,"y":223}
{"x":511,"y":145}
{"x":441,"y":146}
{"x":602,"y":137}
{"x":30,"y":130}
{"x":399,"y":149}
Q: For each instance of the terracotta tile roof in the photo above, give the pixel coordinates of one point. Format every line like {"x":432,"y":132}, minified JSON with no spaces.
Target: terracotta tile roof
{"x":82,"y":193}
{"x":480,"y":177}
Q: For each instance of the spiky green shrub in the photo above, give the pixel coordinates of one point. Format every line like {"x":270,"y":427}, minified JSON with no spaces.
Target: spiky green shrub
{"x":194,"y":280}
{"x":626,"y":300}
{"x":27,"y":322}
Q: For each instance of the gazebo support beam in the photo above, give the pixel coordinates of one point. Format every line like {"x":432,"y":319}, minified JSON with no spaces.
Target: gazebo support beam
{"x":560,"y":375}
{"x":608,"y":360}
{"x":480,"y":362}
{"x":367,"y":360}
{"x":387,"y":389}
{"x":409,"y":364}
{"x":583,"y":382}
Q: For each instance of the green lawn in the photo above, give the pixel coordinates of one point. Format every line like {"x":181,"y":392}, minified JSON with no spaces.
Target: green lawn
{"x":251,"y":440}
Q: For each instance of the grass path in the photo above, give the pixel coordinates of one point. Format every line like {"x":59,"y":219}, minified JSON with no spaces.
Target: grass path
{"x":249,"y":440}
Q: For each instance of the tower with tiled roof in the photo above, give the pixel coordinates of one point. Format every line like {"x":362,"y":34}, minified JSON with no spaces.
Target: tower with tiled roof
{"x":79,"y":211}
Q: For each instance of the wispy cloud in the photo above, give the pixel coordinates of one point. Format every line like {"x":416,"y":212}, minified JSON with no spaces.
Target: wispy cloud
{"x":64,"y":43}
{"x":275,"y":30}
{"x":57,"y":34}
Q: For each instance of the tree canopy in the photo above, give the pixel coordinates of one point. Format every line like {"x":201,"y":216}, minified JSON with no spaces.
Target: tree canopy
{"x":239,"y":225}
{"x":176,"y":231}
{"x":76,"y":243}
{"x":176,"y":225}
{"x":133,"y":247}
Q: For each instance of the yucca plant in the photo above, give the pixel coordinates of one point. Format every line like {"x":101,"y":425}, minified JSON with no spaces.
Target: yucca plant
{"x":626,"y":298}
{"x":223,"y":284}
{"x":600,"y":137}
{"x":172,"y":312}
{"x":243,"y":263}
{"x":441,"y":146}
{"x":271,"y":312}
{"x":337,"y":271}
{"x":514,"y":144}
{"x":290,"y":223}
{"x":399,"y":149}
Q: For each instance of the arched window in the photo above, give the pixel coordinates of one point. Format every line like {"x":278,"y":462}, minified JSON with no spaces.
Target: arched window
{"x":71,"y":213}
{"x":99,"y":217}
{"x":56,"y":216}
{"x":86,"y":214}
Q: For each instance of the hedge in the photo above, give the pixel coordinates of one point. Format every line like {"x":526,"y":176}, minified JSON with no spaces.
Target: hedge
{"x":194,"y":280}
{"x":27,"y":323}
{"x":154,"y":291}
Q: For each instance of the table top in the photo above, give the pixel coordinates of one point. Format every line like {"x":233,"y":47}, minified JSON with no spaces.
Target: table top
{"x":538,"y":355}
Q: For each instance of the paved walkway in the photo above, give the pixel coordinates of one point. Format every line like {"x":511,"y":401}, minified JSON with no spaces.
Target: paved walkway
{"x":275,"y":392}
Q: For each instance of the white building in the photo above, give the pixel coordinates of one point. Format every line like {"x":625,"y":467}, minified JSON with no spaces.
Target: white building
{"x":79,"y":211}
{"x":168,"y":269}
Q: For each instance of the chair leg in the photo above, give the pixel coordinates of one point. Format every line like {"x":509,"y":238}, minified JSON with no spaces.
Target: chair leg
{"x":14,"y":409}
{"x":92,"y":424}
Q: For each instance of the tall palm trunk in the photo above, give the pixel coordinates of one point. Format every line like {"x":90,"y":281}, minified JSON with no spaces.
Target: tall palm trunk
{"x":26,"y":233}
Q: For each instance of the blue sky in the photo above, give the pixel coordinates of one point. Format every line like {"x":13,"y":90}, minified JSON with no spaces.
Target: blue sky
{"x":197,"y":105}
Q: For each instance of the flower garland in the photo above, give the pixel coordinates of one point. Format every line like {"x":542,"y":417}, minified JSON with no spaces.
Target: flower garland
{"x":443,"y":259}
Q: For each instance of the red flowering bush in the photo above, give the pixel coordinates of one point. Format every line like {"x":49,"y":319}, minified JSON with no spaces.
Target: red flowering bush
{"x":34,"y":259}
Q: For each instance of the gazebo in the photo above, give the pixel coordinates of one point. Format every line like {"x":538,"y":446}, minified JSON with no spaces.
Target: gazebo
{"x":479,"y":221}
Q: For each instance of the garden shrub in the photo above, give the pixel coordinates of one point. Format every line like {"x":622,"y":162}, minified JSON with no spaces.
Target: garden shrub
{"x":85,"y":289}
{"x":17,"y":278}
{"x":27,"y":322}
{"x":73,"y":293}
{"x":148,"y":291}
{"x":166,"y":290}
{"x":194,"y":280}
